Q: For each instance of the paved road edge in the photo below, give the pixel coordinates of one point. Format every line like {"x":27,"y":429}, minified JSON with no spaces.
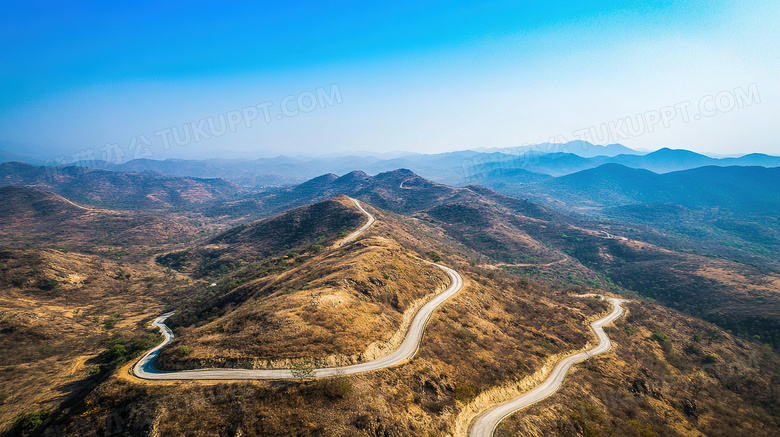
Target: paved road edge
{"x":484,"y":425}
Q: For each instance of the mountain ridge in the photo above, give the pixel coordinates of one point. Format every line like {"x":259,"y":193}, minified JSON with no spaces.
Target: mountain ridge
{"x":453,"y":168}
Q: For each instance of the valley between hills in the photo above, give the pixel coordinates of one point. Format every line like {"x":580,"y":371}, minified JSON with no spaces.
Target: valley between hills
{"x":336,"y":307}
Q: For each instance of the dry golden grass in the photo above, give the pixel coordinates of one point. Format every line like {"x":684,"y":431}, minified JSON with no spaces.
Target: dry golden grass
{"x":500,"y":329}
{"x":331,"y":308}
{"x":695,"y":380}
{"x":52,"y":332}
{"x":475,"y":341}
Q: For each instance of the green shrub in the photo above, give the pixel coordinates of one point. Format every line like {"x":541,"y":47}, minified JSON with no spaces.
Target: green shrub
{"x":50,"y":284}
{"x":710,"y":359}
{"x":111,"y":323}
{"x":184,"y":350}
{"x":339,"y":387}
{"x":26,"y":423}
{"x":660,"y":337}
{"x":122,"y":349}
{"x":434,"y":256}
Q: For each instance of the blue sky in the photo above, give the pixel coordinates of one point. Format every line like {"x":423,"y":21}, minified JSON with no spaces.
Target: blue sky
{"x":421,"y":76}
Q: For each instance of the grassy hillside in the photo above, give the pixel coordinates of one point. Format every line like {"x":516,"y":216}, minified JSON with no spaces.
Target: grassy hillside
{"x":325,"y":308}
{"x":728,"y":211}
{"x":502,"y":232}
{"x":67,"y":320}
{"x":36,"y":218}
{"x":668,"y":375}
{"x":135,"y":191}
{"x":281,"y":288}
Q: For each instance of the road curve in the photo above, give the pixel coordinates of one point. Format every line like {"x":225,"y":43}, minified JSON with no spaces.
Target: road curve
{"x":486,"y":423}
{"x":145,"y":368}
{"x":351,"y":237}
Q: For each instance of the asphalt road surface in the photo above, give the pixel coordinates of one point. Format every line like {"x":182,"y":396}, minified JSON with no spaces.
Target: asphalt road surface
{"x":486,"y":423}
{"x":145,"y":367}
{"x":351,"y":237}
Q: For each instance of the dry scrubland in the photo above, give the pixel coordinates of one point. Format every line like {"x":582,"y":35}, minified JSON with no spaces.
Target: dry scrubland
{"x":668,"y":375}
{"x":70,"y":315}
{"x":477,"y":341}
{"x":330,"y":307}
{"x":59,"y":312}
{"x":281,"y":290}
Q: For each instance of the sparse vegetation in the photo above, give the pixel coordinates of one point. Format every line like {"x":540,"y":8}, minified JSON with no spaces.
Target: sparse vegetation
{"x":111,"y":323}
{"x":26,"y":424}
{"x":276,"y":288}
{"x":338,"y":388}
{"x":660,"y":337}
{"x":122,"y":349}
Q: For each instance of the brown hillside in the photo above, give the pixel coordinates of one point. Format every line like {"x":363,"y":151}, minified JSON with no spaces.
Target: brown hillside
{"x":668,"y":375}
{"x":504,"y":326}
{"x":30,"y":217}
{"x":59,"y":312}
{"x":330,"y":308}
{"x":147,"y":190}
{"x":309,"y":228}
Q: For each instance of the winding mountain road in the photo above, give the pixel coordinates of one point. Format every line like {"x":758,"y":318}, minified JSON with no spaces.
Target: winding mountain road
{"x":483,"y":426}
{"x":351,"y":237}
{"x":145,"y":368}
{"x":486,"y":423}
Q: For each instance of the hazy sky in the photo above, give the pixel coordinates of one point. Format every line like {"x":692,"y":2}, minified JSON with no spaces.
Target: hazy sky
{"x":208,"y":79}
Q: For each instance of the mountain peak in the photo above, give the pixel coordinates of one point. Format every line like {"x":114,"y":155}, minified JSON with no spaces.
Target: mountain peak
{"x":353,"y":175}
{"x":404,"y":173}
{"x":666,"y":151}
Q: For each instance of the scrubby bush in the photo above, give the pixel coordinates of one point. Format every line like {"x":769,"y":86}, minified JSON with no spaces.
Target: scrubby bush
{"x":465,"y":392}
{"x":111,"y":323}
{"x":660,"y":337}
{"x":339,"y":387}
{"x":26,"y":423}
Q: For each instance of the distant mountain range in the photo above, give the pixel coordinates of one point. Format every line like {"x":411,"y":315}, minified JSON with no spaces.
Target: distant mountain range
{"x":730,"y":211}
{"x":579,"y":148}
{"x":144,"y":190}
{"x":691,"y":218}
{"x":698,"y":216}
{"x":498,"y":165}
{"x":746,"y":188}
{"x":483,"y":166}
